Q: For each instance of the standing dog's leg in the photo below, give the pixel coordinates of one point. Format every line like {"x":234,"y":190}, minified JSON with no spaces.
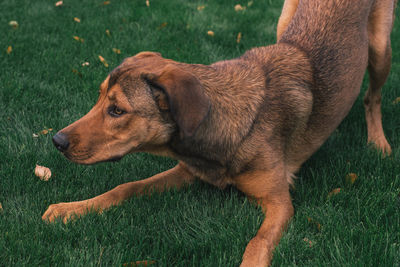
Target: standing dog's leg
{"x":288,"y":10}
{"x":380,"y":53}
{"x":271,"y":190}
{"x":175,"y":177}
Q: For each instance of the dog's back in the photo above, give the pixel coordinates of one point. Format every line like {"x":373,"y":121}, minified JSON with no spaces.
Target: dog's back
{"x":335,"y":36}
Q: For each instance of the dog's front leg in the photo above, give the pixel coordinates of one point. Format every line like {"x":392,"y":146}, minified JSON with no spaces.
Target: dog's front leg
{"x":271,"y":190}
{"x":175,"y":177}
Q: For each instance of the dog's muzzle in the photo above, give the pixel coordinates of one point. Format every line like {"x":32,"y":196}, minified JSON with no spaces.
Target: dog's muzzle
{"x":61,"y":142}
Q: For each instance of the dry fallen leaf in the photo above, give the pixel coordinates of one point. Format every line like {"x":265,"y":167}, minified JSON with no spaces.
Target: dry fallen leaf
{"x":116,"y":51}
{"x":106,"y":3}
{"x":239,"y":37}
{"x":238,"y":7}
{"x":84,"y":64}
{"x":75,"y":71}
{"x":1,"y":208}
{"x":46,"y":131}
{"x":210,"y":33}
{"x":200,"y":8}
{"x":163,"y":25}
{"x":79,"y":39}
{"x":59,"y":3}
{"x":108,"y":32}
{"x":312,"y":221}
{"x":42,"y":132}
{"x":9,"y":49}
{"x":13,"y":24}
{"x":77,"y":19}
{"x":309,"y":242}
{"x":138,"y":263}
{"x":334,"y":192}
{"x":103,"y":61}
{"x":351,"y":178}
{"x":396,"y":101}
{"x":147,"y":3}
{"x":42,"y":172}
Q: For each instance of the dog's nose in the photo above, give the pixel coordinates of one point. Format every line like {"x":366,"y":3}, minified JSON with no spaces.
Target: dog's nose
{"x":60,"y":140}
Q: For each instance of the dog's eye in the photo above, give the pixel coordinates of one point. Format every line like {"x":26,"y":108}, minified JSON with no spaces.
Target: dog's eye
{"x":115,"y":111}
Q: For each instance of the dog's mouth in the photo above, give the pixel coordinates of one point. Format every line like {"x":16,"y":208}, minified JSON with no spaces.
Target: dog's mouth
{"x":114,"y":159}
{"x":78,"y":158}
{"x":89,"y":160}
{"x":88,"y":155}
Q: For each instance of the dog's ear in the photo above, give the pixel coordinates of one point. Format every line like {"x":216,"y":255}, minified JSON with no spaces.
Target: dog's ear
{"x":161,"y":98}
{"x":187,"y":101}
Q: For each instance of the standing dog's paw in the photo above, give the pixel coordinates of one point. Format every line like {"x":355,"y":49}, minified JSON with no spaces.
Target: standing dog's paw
{"x":65,"y":211}
{"x":382,"y":145}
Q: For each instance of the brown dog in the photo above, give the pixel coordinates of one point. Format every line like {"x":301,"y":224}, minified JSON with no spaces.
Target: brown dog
{"x":250,"y":121}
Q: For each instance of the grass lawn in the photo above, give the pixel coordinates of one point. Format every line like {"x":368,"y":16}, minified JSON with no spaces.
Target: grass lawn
{"x":44,"y":84}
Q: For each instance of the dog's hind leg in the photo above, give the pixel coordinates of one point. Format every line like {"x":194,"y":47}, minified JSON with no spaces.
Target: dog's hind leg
{"x":288,"y":10}
{"x":379,"y":27}
{"x":175,"y":177}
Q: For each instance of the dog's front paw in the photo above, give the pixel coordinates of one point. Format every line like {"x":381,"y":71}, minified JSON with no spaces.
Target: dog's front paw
{"x":65,"y":211}
{"x":257,"y":254}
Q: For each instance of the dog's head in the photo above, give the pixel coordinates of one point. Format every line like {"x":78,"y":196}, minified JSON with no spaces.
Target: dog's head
{"x":142,"y":104}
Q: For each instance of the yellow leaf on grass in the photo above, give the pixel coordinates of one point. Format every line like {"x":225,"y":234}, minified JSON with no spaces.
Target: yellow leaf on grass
{"x":351,"y":178}
{"x":59,"y":3}
{"x":13,"y":24}
{"x":46,"y":131}
{"x":396,"y":101}
{"x":116,"y":51}
{"x":43,"y":132}
{"x":200,"y":8}
{"x":238,"y":7}
{"x":334,"y":192}
{"x":106,"y":3}
{"x":84,"y":64}
{"x":210,"y":33}
{"x":1,"y":208}
{"x":108,"y":32}
{"x":79,"y":39}
{"x":9,"y":49}
{"x":77,"y":19}
{"x":147,"y":3}
{"x":103,"y":61}
{"x":239,"y":37}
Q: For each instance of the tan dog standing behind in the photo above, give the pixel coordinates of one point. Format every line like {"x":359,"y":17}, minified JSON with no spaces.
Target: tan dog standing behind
{"x":250,"y":121}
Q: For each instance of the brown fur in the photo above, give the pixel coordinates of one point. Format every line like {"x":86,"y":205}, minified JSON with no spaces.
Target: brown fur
{"x":250,"y":121}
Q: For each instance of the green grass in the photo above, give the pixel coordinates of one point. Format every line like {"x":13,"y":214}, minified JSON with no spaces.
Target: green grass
{"x":199,"y":225}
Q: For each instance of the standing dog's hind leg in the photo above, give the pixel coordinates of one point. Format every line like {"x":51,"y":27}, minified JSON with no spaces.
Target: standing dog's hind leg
{"x":379,"y":59}
{"x":288,"y":10}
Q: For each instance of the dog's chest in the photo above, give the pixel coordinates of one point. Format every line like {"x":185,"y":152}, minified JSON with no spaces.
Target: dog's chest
{"x":220,"y":182}
{"x":210,"y":173}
